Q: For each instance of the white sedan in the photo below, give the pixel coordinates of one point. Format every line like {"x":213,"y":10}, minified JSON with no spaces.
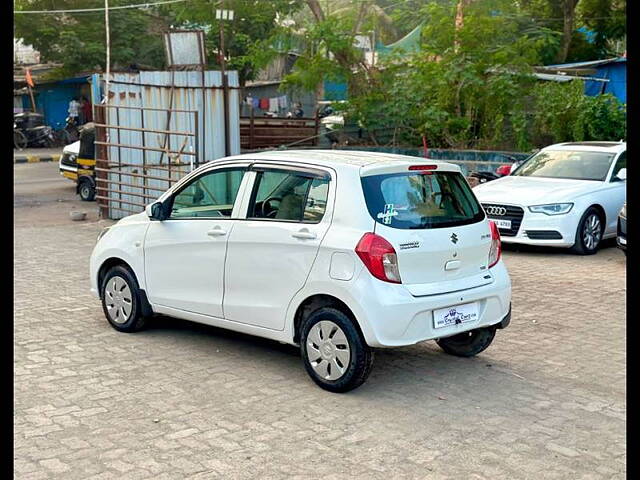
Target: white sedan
{"x":566,"y":195}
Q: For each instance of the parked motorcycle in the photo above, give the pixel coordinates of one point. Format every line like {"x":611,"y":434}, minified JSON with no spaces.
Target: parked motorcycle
{"x":68,"y":134}
{"x":29,"y":130}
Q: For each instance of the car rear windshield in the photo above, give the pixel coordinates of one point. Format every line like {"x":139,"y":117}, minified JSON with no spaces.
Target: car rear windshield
{"x":421,"y":200}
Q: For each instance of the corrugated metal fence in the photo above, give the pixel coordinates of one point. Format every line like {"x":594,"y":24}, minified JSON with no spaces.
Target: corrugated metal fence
{"x":156,"y":127}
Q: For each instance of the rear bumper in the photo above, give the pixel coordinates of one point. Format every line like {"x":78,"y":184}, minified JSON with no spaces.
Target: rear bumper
{"x":390,"y":316}
{"x":504,"y":323}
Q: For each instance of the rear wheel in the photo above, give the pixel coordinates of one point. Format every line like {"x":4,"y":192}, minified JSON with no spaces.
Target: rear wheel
{"x":468,"y":344}
{"x":87,"y":191}
{"x":19,"y":140}
{"x":334,"y":353}
{"x":589,"y":233}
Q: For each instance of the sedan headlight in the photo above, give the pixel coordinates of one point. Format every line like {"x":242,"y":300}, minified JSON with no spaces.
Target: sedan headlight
{"x":101,"y":234}
{"x":552,"y":208}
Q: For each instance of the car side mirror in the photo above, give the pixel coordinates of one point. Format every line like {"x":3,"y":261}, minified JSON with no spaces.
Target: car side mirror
{"x":157,"y":211}
{"x":622,"y":175}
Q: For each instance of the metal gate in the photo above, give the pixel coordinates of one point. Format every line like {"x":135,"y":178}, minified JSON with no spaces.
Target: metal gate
{"x":136,"y":164}
{"x":157,"y":126}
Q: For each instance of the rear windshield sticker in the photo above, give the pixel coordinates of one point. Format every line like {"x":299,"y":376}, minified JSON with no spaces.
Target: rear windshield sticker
{"x":388,"y":214}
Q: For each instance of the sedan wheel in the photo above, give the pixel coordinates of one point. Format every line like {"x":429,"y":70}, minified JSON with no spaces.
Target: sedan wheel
{"x":589,"y":233}
{"x":592,"y":231}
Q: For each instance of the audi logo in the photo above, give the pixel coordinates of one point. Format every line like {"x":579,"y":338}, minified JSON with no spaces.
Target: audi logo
{"x":497,"y":211}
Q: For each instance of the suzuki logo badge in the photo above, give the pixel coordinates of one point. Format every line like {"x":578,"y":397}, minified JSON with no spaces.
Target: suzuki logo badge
{"x":454,"y":238}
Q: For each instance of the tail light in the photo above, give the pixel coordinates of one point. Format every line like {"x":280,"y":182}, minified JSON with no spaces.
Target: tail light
{"x":495,"y":252}
{"x":379,"y":256}
{"x":423,"y":167}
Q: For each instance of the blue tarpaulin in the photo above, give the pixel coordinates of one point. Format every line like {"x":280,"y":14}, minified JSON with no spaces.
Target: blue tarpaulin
{"x":614,"y":70}
{"x":52,"y":99}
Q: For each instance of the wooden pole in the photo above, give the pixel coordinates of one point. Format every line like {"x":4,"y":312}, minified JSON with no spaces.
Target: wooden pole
{"x":33,"y":102}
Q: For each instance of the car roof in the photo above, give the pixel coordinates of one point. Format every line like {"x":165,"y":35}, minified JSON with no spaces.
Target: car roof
{"x":611,"y":147}
{"x":340,"y":158}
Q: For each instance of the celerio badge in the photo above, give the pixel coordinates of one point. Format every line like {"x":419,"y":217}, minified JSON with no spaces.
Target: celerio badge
{"x":454,"y":238}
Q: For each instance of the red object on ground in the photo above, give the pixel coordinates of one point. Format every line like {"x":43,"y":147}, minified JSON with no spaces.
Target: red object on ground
{"x":504,"y":170}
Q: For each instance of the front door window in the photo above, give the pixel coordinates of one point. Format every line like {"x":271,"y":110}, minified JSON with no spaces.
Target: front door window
{"x":211,"y":195}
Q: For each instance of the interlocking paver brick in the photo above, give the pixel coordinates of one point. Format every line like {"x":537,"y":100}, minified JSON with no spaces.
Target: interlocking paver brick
{"x":180,"y":400}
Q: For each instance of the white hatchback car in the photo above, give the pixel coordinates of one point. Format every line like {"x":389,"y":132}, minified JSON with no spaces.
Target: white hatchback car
{"x":337,"y":252}
{"x":566,"y":195}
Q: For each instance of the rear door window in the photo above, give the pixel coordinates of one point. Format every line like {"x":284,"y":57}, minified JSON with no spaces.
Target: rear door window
{"x":290,"y":196}
{"x":421,"y":200}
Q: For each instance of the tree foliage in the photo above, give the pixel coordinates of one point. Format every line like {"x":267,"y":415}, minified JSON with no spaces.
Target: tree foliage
{"x":479,"y":93}
{"x":77,"y":40}
{"x":253,"y":22}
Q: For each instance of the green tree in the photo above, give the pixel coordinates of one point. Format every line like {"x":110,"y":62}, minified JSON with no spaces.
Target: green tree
{"x":254,"y":21}
{"x":465,"y":86}
{"x":77,"y":40}
{"x":607,"y":19}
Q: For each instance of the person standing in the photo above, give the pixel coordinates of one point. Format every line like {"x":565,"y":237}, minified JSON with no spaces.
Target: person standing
{"x":74,"y":107}
{"x":86,"y":110}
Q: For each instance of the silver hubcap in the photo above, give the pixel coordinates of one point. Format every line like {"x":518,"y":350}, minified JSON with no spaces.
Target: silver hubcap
{"x":592,"y":231}
{"x":328,"y":350}
{"x":118,"y":299}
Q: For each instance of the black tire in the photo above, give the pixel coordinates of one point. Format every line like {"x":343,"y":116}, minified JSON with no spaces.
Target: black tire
{"x":580,"y":247}
{"x":468,"y":344}
{"x":19,"y":140}
{"x":135,"y":320}
{"x":360,"y":358}
{"x":86,"y":191}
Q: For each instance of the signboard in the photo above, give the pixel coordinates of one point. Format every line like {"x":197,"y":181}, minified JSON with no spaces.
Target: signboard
{"x":185,"y":48}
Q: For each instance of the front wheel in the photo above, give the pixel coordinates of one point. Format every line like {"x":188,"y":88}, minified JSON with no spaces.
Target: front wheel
{"x":334,"y":353}
{"x":121,"y":300}
{"x":468,"y":344}
{"x":589,"y":233}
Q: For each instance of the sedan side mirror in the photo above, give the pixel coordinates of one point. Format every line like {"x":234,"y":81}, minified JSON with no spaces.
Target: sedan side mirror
{"x":622,"y":175}
{"x":157,"y":211}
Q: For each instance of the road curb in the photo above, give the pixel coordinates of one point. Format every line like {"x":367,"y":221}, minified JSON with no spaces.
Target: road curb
{"x":35,"y":158}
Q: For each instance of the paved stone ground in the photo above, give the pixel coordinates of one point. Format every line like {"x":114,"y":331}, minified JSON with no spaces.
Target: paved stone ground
{"x":183,"y":401}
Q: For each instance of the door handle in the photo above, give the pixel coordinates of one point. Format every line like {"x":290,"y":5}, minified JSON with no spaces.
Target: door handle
{"x":216,"y":232}
{"x":304,"y":234}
